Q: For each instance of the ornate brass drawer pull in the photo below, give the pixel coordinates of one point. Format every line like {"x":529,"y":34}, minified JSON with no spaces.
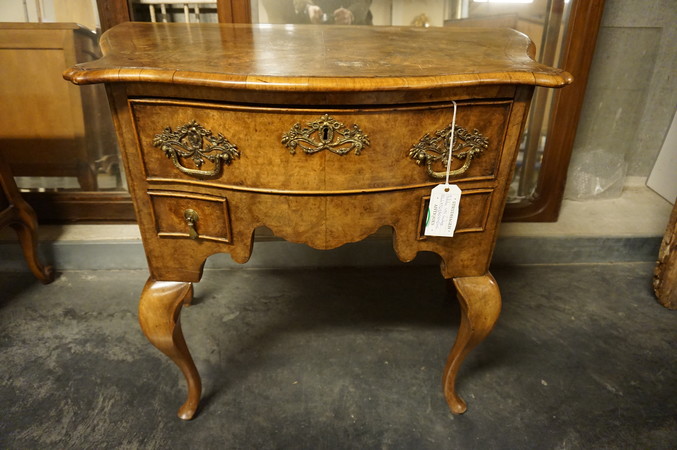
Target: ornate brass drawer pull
{"x":191,"y":217}
{"x":435,"y":149}
{"x":331,"y":135}
{"x":187,"y":142}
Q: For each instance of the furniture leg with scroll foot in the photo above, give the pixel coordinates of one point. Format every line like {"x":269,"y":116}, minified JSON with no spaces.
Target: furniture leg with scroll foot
{"x":480,"y":301}
{"x":159,"y":316}
{"x":26,"y":227}
{"x":17,"y":213}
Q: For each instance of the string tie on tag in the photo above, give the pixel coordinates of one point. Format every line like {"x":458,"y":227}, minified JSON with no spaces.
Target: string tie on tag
{"x":451,"y":147}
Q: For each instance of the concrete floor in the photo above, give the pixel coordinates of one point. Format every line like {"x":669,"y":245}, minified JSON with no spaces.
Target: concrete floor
{"x":582,"y":357}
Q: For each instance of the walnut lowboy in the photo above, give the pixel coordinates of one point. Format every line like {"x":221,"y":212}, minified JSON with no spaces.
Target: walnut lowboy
{"x":225,"y":128}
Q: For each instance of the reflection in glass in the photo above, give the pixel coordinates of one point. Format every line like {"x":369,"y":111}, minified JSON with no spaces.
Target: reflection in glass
{"x":325,"y":12}
{"x":173,"y":11}
{"x":55,"y":136}
{"x":545,"y":22}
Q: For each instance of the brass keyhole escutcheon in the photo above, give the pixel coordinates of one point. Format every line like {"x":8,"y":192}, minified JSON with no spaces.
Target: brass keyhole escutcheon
{"x":327,"y":134}
{"x":191,"y":217}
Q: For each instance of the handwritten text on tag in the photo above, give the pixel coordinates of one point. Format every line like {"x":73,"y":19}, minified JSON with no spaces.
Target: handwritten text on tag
{"x":443,"y":210}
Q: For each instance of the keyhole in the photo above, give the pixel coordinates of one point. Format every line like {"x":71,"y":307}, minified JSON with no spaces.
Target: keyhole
{"x":326,"y":133}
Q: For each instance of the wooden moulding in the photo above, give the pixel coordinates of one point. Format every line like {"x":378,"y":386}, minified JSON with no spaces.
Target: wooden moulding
{"x":545,"y":203}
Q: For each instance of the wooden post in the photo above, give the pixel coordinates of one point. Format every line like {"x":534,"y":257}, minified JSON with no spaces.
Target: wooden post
{"x":665,"y":274}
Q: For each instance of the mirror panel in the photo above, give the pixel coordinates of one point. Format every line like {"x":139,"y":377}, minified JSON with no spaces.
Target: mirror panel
{"x":536,"y":190}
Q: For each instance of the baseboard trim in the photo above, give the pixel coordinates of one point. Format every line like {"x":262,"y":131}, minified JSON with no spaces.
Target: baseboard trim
{"x":277,"y":254}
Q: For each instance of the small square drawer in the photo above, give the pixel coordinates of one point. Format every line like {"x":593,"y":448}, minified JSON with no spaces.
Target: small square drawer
{"x":183,"y":215}
{"x":473,"y":211}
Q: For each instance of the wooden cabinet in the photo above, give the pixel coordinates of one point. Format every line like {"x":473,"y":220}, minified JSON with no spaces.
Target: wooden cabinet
{"x":50,"y":128}
{"x":323,"y":135}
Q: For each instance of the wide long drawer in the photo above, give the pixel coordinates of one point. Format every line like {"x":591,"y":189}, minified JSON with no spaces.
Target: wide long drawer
{"x":317,"y":149}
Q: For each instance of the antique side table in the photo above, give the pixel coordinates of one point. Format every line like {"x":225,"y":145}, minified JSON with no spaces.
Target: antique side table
{"x":321,"y":134}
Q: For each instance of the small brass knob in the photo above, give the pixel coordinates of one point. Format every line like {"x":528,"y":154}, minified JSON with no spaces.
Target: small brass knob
{"x":191,"y":217}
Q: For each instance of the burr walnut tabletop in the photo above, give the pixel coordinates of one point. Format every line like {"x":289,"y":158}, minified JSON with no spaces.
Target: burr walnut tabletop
{"x":323,"y":134}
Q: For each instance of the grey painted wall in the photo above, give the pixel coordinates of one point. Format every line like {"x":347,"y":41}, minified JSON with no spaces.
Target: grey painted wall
{"x":632,"y":93}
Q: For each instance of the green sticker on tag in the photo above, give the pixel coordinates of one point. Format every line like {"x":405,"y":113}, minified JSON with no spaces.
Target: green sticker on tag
{"x":443,"y":211}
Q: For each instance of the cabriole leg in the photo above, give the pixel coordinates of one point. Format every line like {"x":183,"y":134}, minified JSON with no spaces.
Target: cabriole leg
{"x":26,"y":227}
{"x":159,"y":316}
{"x":480,"y":302}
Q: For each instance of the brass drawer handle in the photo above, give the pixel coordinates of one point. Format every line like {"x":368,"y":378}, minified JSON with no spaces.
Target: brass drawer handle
{"x":191,"y":217}
{"x":435,"y":149}
{"x":326,"y":133}
{"x":187,"y":142}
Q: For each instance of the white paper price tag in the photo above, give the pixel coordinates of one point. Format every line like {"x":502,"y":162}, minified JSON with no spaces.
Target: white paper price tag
{"x":443,"y":210}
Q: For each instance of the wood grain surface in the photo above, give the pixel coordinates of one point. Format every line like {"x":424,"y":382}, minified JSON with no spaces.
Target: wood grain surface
{"x":308,"y":57}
